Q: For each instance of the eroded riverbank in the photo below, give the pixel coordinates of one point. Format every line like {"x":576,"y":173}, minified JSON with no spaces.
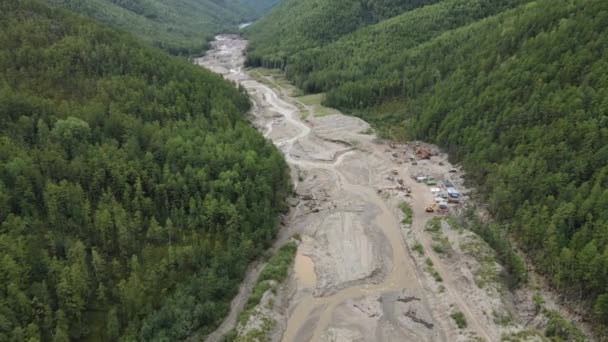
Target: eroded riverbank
{"x":356,"y":275}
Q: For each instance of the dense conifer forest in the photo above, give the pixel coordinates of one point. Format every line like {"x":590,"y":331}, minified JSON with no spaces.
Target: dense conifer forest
{"x":133,"y":193}
{"x":299,"y":25}
{"x":177,"y":26}
{"x":515,"y":90}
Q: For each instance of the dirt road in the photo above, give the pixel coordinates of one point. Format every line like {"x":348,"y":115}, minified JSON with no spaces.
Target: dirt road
{"x":353,"y":268}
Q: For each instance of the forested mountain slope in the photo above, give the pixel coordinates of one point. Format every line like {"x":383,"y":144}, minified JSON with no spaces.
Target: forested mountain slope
{"x":133,"y":193}
{"x":301,"y":24}
{"x":178,"y":26}
{"x":257,"y":8}
{"x":373,"y":50}
{"x":520,"y":98}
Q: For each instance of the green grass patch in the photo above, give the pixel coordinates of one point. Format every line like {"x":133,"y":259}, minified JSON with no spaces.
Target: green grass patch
{"x":274,"y":78}
{"x":439,"y":248}
{"x":432,"y":271}
{"x":559,"y":329}
{"x":231,"y":336}
{"x":276,"y":270}
{"x":408,"y":213}
{"x":261,"y":334}
{"x":454,"y":224}
{"x":418,"y":248}
{"x":459,"y":319}
{"x":524,"y":335}
{"x":488,"y":272}
{"x":496,"y":237}
{"x":315,"y":101}
{"x":503,"y":319}
{"x":263,"y":76}
{"x":312,"y":100}
{"x":434,"y":226}
{"x":441,"y":243}
{"x":436,"y":275}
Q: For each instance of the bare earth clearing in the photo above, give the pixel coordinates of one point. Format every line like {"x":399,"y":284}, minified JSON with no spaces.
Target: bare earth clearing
{"x":361,"y":274}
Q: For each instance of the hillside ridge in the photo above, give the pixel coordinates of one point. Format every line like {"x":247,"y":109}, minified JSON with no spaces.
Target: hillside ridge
{"x":133,"y":192}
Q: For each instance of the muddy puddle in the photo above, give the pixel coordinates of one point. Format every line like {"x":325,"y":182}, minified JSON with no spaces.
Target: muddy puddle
{"x":304,"y":269}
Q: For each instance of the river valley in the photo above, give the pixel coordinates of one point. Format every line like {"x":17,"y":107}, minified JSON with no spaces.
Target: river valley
{"x":363,"y":271}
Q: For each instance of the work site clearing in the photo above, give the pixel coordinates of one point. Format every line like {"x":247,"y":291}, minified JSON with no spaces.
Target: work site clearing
{"x":382,"y":253}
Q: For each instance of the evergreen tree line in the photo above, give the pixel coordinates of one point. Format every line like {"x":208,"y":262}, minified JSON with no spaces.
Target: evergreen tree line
{"x":296,"y":25}
{"x":133,"y":193}
{"x":515,"y":91}
{"x":181,"y":27}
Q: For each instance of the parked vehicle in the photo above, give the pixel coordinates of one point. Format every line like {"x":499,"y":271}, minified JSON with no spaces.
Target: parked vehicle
{"x":453,"y":193}
{"x":453,"y":200}
{"x":431,"y":181}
